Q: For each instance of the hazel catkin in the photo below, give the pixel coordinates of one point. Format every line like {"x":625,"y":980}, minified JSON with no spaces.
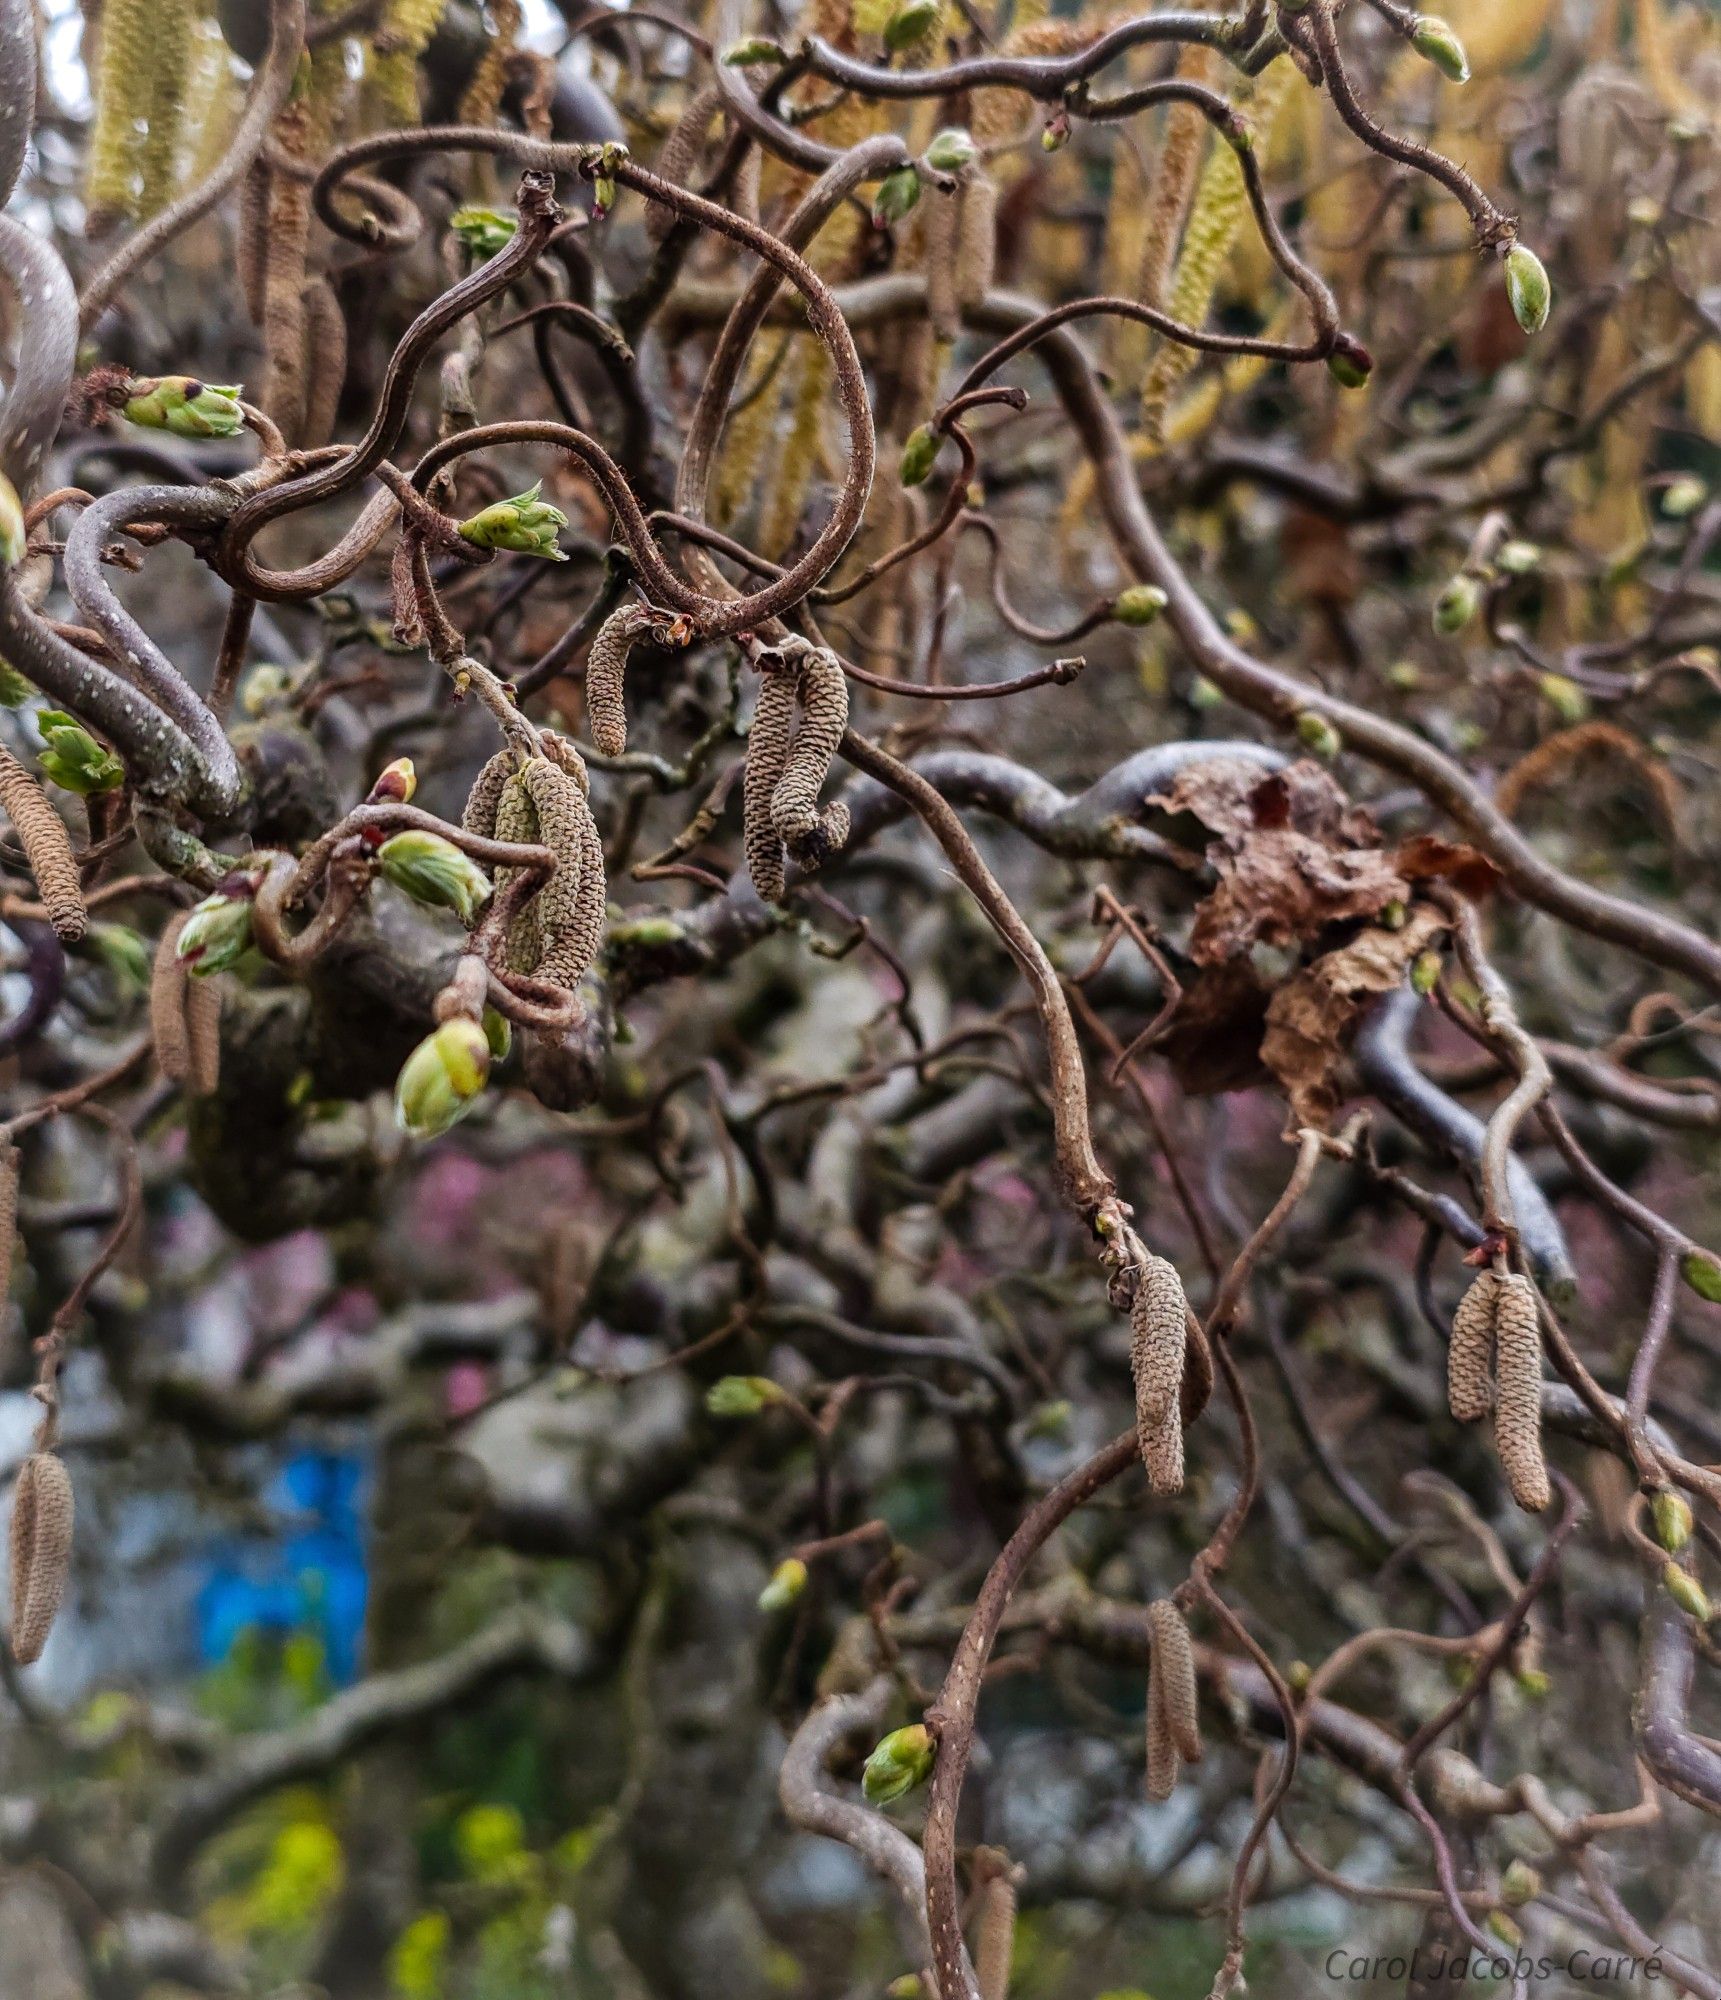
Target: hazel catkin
{"x":47,"y":847}
{"x":1470,"y":1352}
{"x":41,"y":1551}
{"x":606,"y":673}
{"x":767,"y":754}
{"x":168,"y":1028}
{"x":1176,"y":1656}
{"x":1518,"y":1410}
{"x":1159,"y":1332}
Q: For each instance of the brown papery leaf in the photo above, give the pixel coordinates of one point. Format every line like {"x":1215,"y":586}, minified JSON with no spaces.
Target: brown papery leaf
{"x":1428,"y":858}
{"x":1311,"y":1017}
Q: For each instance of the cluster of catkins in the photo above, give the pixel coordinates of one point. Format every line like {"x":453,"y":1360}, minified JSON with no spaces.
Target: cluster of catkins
{"x":545,"y":801}
{"x":1495,"y":1362}
{"x":788,"y":759}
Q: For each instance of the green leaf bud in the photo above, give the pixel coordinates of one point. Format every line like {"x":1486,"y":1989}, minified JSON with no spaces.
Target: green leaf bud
{"x":524,"y":524}
{"x":1528,"y":288}
{"x":186,"y":406}
{"x":1140,"y":604}
{"x":899,"y":1762}
{"x":442,"y":1078}
{"x":433,"y":870}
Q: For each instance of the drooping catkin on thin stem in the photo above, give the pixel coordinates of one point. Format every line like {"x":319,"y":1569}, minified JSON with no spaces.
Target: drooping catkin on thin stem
{"x":287,"y":236}
{"x":1518,"y":1411}
{"x":203,"y":1035}
{"x":11,"y":1174}
{"x":1173,"y":181}
{"x":172,"y":27}
{"x":679,"y":155}
{"x":1174,"y":1657}
{"x":976,"y":238}
{"x":1162,"y":1454}
{"x":47,"y":847}
{"x":821,"y":688}
{"x":40,"y":1550}
{"x":123,"y":79}
{"x":1158,"y":1333}
{"x":1469,"y":1356}
{"x":940,"y":209}
{"x":995,"y":1943}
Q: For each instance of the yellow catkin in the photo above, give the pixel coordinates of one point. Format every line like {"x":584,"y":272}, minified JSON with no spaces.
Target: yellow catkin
{"x":1158,"y":1331}
{"x":1173,"y":1662}
{"x":1703,"y":392}
{"x":482,"y":97}
{"x":995,"y":1943}
{"x":212,"y":100}
{"x":1470,"y":1351}
{"x":792,"y":471}
{"x":11,"y":1172}
{"x":171,"y":66}
{"x":1518,"y":1411}
{"x":41,"y":1551}
{"x":42,"y":834}
{"x":747,"y":431}
{"x":391,"y":74}
{"x":168,"y":1029}
{"x":1215,"y":216}
{"x":123,"y":82}
{"x":1173,"y":185}
{"x":1659,"y":62}
{"x":767,"y":753}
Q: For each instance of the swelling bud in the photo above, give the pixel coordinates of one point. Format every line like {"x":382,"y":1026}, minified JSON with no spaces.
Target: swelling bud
{"x":788,"y":1580}
{"x":1140,"y":604}
{"x":1672,"y":1515}
{"x":185,"y":406}
{"x":1457,"y":604}
{"x":13,"y":537}
{"x":919,"y":454}
{"x":1433,"y":39}
{"x":524,"y":524}
{"x":433,"y":870}
{"x":216,"y":935}
{"x":1527,"y":288}
{"x":72,"y":757}
{"x":442,"y":1078}
{"x":900,"y":1761}
{"x":741,"y":1395}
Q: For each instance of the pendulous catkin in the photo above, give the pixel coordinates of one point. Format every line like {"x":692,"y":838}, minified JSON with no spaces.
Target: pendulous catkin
{"x":168,"y":1027}
{"x":822,"y":691}
{"x":203,"y":1035}
{"x":1470,"y":1352}
{"x":1173,"y":1707}
{"x":1518,"y":1410}
{"x":679,"y":155}
{"x":42,"y":834}
{"x":1158,"y":1335}
{"x":606,"y":673}
{"x":941,"y":208}
{"x":570,"y":906}
{"x":41,"y":1551}
{"x":1162,"y":1454}
{"x":767,"y":753}
{"x":995,"y":1943}
{"x":123,"y":80}
{"x":11,"y":1172}
{"x":171,"y":31}
{"x":976,"y":239}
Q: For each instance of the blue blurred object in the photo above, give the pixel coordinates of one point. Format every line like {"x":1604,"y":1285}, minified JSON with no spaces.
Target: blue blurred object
{"x":312,"y":1578}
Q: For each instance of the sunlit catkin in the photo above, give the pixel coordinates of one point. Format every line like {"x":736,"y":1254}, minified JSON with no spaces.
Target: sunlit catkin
{"x":483,"y":94}
{"x":171,"y":66}
{"x":391,"y":73}
{"x":1469,"y":1355}
{"x":795,"y":464}
{"x":42,"y":834}
{"x":1173,"y":1660}
{"x":112,"y":176}
{"x":1518,"y":1412}
{"x":976,"y":239}
{"x":41,"y":1551}
{"x":940,"y":212}
{"x":1173,"y":182}
{"x":1158,"y":1331}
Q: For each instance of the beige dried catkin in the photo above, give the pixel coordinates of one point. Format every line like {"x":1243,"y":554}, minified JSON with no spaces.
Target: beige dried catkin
{"x":11,"y":1172}
{"x":1470,"y":1351}
{"x":1162,"y":1758}
{"x":1518,"y":1411}
{"x":168,"y":1028}
{"x":938,"y":237}
{"x":41,"y":1551}
{"x":1174,"y":1657}
{"x":47,"y":847}
{"x":976,"y":239}
{"x":767,"y":753}
{"x":1159,"y":1320}
{"x":203,"y":1035}
{"x":1162,"y":1454}
{"x":606,"y":674}
{"x":996,"y":1940}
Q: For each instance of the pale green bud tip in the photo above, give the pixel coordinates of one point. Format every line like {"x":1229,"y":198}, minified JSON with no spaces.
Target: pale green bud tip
{"x":395,"y":782}
{"x":1528,"y":288}
{"x":13,"y":538}
{"x":433,"y":870}
{"x":1504,"y":1929}
{"x":1672,"y":1515}
{"x":1425,"y":972}
{"x":741,"y":1395}
{"x":524,"y":524}
{"x":755,"y":49}
{"x":1520,"y":1885}
{"x":900,"y":1761}
{"x":72,"y":757}
{"x":1433,"y":39}
{"x":1457,"y":604}
{"x":1534,"y":1684}
{"x":1686,"y":1591}
{"x":1683,"y":496}
{"x":1350,"y":364}
{"x":216,"y":935}
{"x":952,"y":150}
{"x":1518,"y":558}
{"x":788,"y":1580}
{"x":897,"y":194}
{"x":1564,"y":697}
{"x":1316,"y":733}
{"x":499,"y":1033}
{"x":186,"y":406}
{"x":483,"y":229}
{"x":442,"y":1078}
{"x":909,"y":1987}
{"x":1057,"y":133}
{"x":1140,"y":604}
{"x":1703,"y":1274}
{"x":919,"y":454}
{"x":910,"y":21}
